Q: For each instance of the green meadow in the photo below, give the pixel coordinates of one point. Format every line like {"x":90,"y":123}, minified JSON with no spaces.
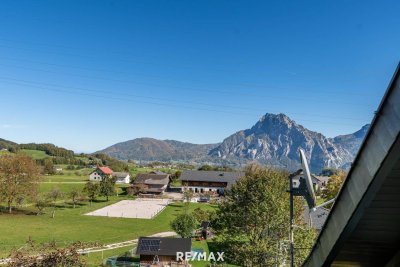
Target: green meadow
{"x":70,"y":224}
{"x":35,"y":154}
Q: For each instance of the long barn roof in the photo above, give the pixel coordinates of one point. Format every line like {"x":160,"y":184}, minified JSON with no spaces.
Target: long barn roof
{"x":211,"y":176}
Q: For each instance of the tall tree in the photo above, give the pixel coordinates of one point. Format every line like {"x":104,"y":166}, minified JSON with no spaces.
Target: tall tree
{"x":184,"y":224}
{"x":203,"y":215}
{"x":48,"y":167}
{"x":187,"y":196}
{"x":92,"y":190}
{"x":19,"y":177}
{"x":334,"y":184}
{"x":253,"y":219}
{"x":107,"y":186}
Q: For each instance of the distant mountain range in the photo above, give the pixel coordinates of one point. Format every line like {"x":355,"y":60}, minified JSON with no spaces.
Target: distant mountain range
{"x":149,"y":149}
{"x":274,"y":140}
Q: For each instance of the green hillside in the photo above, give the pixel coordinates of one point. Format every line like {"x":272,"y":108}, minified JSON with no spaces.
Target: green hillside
{"x":35,"y":154}
{"x":6,"y":144}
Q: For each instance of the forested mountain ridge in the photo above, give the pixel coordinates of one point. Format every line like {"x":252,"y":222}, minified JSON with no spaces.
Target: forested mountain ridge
{"x":150,"y":149}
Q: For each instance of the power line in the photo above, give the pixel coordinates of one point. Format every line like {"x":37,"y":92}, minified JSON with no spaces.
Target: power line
{"x":183,"y":88}
{"x":160,"y":104}
{"x":137,"y":62}
{"x":164,"y":77}
{"x":86,"y":55}
{"x":164,"y":99}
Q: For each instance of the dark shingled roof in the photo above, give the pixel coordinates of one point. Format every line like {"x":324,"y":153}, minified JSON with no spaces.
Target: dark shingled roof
{"x":318,"y":217}
{"x":168,"y":246}
{"x":160,"y":179}
{"x":211,"y":176}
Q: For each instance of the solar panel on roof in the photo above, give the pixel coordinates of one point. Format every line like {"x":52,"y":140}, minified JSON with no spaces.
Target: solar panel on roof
{"x":149,"y":245}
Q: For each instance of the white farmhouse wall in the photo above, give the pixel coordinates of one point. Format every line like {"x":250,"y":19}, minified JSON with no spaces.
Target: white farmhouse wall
{"x":94,"y":176}
{"x":125,"y":180}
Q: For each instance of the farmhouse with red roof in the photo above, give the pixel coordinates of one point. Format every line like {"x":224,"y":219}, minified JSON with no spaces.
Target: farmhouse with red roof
{"x":101,"y":172}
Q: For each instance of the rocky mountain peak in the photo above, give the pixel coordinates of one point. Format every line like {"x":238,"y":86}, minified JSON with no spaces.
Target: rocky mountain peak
{"x":362,"y":132}
{"x":270,"y":118}
{"x":273,"y":123}
{"x":276,"y":139}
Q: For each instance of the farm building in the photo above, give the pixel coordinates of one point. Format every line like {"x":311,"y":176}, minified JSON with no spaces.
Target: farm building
{"x":122,"y":177}
{"x":100,"y":173}
{"x":319,"y":182}
{"x":151,"y":183}
{"x":162,"y":251}
{"x":322,"y":181}
{"x":209,"y":181}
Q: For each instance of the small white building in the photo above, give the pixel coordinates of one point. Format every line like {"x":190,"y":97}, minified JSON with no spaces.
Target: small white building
{"x":122,"y":177}
{"x":319,"y":182}
{"x":101,"y":172}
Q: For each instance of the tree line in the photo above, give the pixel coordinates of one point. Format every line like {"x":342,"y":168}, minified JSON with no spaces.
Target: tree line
{"x":61,"y":155}
{"x":49,"y":149}
{"x":20,"y":176}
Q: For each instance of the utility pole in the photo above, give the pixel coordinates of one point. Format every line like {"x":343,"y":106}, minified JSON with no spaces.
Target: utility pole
{"x":291,"y":221}
{"x":304,"y":189}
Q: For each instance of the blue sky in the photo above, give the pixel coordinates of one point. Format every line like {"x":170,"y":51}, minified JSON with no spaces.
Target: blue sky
{"x":87,"y":74}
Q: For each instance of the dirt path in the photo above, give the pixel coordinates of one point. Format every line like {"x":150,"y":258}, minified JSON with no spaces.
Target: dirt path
{"x":65,"y":182}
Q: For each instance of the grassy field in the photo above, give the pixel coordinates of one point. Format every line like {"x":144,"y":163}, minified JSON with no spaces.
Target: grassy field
{"x":68,"y":176}
{"x":134,"y":170}
{"x":96,"y":258}
{"x":64,"y":187}
{"x":71,"y":225}
{"x":200,"y":245}
{"x":35,"y":154}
